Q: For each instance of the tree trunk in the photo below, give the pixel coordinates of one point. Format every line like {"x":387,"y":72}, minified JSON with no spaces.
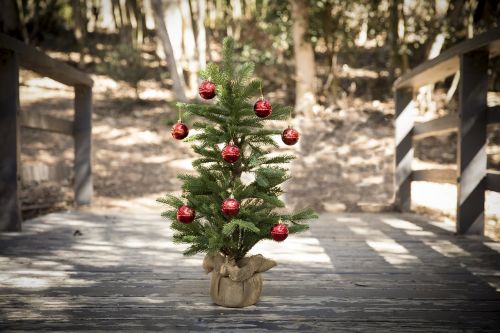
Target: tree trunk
{"x":173,"y":19}
{"x":163,"y":35}
{"x":189,"y":46}
{"x":304,"y":59}
{"x":403,"y":48}
{"x":10,"y":20}
{"x":80,"y":26}
{"x":107,"y":19}
{"x":393,"y":38}
{"x":80,"y":29}
{"x":201,"y":35}
{"x":237,"y":16}
{"x":148,"y":13}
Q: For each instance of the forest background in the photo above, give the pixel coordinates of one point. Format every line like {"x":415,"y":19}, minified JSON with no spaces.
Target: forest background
{"x":334,"y":60}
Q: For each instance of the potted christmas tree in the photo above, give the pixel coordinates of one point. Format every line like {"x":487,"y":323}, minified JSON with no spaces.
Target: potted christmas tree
{"x":232,"y":202}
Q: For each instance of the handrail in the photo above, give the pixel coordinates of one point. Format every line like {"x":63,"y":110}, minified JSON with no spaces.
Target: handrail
{"x":13,"y":55}
{"x":38,"y":62}
{"x":447,"y":63}
{"x":471,"y":121}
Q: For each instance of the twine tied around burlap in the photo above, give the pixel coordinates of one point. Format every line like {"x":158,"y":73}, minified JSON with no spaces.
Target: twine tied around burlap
{"x":236,"y":284}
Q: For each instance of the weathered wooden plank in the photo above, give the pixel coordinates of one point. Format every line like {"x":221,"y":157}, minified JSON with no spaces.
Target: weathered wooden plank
{"x":43,"y":172}
{"x":493,"y":115}
{"x":435,"y":175}
{"x":10,"y":217}
{"x":404,"y":113}
{"x":448,"y":62}
{"x":37,"y":61}
{"x":493,"y":181}
{"x":83,"y":145}
{"x":439,"y":126}
{"x":471,"y":148}
{"x":114,"y":276}
{"x":46,"y":123}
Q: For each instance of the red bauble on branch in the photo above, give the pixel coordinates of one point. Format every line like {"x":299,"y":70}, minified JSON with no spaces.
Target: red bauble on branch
{"x":230,"y":207}
{"x":290,"y":136}
{"x":279,"y":232}
{"x":185,"y":214}
{"x":231,"y":153}
{"x":262,"y":108}
{"x":179,"y":131}
{"x":207,"y":90}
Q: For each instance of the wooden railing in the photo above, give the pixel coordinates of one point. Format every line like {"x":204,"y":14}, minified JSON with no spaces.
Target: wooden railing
{"x":15,"y":54}
{"x":471,"y":176}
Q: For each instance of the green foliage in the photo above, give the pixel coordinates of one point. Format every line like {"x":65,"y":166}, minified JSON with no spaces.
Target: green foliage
{"x":232,"y":119}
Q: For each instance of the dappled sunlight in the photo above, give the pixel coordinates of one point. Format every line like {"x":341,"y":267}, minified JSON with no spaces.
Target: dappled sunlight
{"x":392,"y":252}
{"x":401,"y":224}
{"x":446,"y":248}
{"x":295,"y":250}
{"x":420,"y":233}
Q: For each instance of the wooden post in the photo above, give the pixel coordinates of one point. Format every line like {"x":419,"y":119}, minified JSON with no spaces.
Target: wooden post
{"x":83,"y":145}
{"x":404,"y":151}
{"x":471,"y":148}
{"x":10,"y":216}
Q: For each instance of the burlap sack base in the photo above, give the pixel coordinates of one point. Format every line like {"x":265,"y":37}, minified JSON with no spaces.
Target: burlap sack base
{"x":236,"y":285}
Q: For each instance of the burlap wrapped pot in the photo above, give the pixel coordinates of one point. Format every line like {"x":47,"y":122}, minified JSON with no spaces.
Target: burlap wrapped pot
{"x":236,"y":284}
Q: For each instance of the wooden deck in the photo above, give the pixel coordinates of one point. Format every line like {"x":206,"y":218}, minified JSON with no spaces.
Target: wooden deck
{"x":349,"y":273}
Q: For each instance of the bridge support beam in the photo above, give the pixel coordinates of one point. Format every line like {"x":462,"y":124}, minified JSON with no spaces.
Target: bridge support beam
{"x":10,"y":215}
{"x":471,"y":148}
{"x":403,"y":127}
{"x":83,"y":186}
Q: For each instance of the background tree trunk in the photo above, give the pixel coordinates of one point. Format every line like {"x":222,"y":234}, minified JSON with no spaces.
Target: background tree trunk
{"x":9,"y":17}
{"x":304,"y":59}
{"x":161,"y":30}
{"x":106,"y":16}
{"x":173,"y":19}
{"x":201,"y":34}
{"x":189,"y":46}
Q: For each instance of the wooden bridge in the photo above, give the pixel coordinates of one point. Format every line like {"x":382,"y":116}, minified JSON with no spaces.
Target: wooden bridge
{"x":350,"y":272}
{"x":110,"y":270}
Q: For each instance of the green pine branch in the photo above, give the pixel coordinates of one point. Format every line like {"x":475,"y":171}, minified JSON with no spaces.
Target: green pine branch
{"x":230,"y":118}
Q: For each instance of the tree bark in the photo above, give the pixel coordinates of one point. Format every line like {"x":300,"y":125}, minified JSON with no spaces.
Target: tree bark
{"x":304,"y":59}
{"x":393,"y":38}
{"x":173,"y":20}
{"x":189,"y":46}
{"x":201,"y":34}
{"x":163,"y":35}
{"x":10,"y":21}
{"x":107,"y":20}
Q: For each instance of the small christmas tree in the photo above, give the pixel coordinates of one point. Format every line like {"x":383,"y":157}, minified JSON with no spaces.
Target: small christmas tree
{"x":219,"y":213}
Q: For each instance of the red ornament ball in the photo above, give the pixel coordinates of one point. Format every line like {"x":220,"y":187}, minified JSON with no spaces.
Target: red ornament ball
{"x":207,"y":90}
{"x":279,"y":232}
{"x":231,"y":153}
{"x":179,"y":131}
{"x":262,"y":108}
{"x":230,"y":207}
{"x":290,"y":136}
{"x":185,"y":214}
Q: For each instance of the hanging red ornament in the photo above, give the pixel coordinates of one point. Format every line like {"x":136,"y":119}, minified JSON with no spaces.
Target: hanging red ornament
{"x":185,"y":214}
{"x":279,"y":232}
{"x":231,"y":153}
{"x":179,"y":131}
{"x":207,"y":90}
{"x":230,"y":207}
{"x":262,"y":108}
{"x":290,"y":136}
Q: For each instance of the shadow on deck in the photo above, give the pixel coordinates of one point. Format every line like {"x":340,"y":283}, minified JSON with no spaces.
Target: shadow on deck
{"x":350,"y":272}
